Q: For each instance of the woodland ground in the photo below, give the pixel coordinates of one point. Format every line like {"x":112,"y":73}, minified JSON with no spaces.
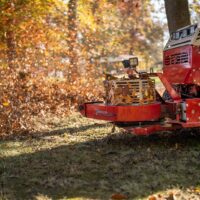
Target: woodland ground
{"x":81,"y":159}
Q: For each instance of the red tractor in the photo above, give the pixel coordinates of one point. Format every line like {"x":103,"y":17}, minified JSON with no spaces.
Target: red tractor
{"x":132,"y":101}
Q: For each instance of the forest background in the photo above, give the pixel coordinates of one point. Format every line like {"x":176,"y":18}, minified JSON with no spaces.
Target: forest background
{"x":51,"y":52}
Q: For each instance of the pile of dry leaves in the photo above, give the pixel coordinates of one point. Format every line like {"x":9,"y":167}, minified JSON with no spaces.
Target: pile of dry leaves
{"x":24,"y":95}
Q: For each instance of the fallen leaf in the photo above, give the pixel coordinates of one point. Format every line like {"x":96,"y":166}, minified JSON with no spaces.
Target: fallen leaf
{"x":152,"y":198}
{"x":5,"y":104}
{"x":197,"y":189}
{"x":170,"y":197}
{"x":118,"y":196}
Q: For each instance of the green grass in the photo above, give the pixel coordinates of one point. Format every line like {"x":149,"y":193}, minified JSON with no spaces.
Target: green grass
{"x":82,"y":159}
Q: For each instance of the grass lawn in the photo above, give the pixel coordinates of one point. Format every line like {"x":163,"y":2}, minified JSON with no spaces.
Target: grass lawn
{"x":82,"y":159}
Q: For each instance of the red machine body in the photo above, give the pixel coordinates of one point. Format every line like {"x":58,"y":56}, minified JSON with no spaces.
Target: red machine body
{"x":181,"y":63}
{"x":178,"y":108}
{"x":101,"y":111}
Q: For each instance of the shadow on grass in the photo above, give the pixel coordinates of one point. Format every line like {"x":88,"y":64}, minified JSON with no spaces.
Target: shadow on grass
{"x":134,"y":166}
{"x":70,"y":130}
{"x":41,"y":134}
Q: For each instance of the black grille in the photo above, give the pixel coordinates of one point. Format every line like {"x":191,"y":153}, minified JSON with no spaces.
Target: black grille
{"x":178,"y":58}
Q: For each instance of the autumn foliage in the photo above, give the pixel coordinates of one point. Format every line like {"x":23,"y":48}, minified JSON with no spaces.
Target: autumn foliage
{"x":51,"y":51}
{"x":23,"y":97}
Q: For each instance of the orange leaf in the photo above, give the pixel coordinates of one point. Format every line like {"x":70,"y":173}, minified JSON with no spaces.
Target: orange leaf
{"x":152,"y":198}
{"x":118,"y":196}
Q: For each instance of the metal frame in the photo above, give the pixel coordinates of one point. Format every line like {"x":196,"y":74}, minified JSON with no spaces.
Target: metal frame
{"x":149,"y":118}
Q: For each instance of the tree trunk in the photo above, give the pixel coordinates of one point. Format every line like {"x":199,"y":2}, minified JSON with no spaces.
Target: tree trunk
{"x":72,"y":38}
{"x":178,"y":15}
